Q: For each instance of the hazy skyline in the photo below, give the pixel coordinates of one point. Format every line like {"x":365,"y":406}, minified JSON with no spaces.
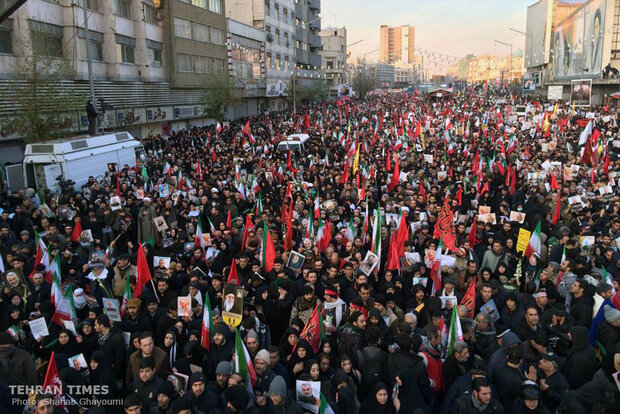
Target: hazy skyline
{"x":451,"y":27}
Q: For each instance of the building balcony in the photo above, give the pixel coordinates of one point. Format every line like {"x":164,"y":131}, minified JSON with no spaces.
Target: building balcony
{"x":314,"y":41}
{"x":314,"y":5}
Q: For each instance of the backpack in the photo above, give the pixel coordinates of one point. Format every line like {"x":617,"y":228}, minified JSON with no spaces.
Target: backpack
{"x":373,"y":369}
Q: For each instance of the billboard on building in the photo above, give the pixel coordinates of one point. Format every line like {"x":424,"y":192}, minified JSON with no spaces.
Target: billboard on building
{"x":537,"y":34}
{"x":578,"y":43}
{"x":581,"y":92}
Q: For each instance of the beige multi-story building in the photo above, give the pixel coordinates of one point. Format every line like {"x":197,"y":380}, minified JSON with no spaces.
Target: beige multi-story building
{"x":491,"y":68}
{"x":148,"y":67}
{"x":396,"y":44}
{"x":334,"y":56}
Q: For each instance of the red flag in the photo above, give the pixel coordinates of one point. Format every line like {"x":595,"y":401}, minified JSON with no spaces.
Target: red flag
{"x":288,"y":240}
{"x":77,"y":230}
{"x":247,"y":227}
{"x":228,"y":220}
{"x":586,"y":158}
{"x":306,"y":120}
{"x":513,"y":180}
{"x":393,"y":261}
{"x":395,"y":176}
{"x":422,"y":191}
{"x":554,"y":182}
{"x":143,"y":273}
{"x":557,"y":212}
{"x":444,"y":226}
{"x":53,"y":382}
{"x":313,"y":331}
{"x":213,"y":156}
{"x":472,"y":234}
{"x":402,"y":235}
{"x":269,"y":252}
{"x":485,"y":188}
{"x":459,"y":196}
{"x":233,"y":279}
{"x":469,"y":299}
{"x":246,"y":129}
{"x":388,"y":162}
{"x":606,"y":165}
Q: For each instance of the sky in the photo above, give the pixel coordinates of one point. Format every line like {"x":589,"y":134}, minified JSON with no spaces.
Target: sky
{"x":450,"y":27}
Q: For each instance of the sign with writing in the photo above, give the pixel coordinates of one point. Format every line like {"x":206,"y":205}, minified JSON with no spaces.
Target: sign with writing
{"x":523,"y":240}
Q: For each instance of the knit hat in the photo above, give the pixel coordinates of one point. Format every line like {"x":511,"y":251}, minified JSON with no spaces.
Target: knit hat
{"x":167,"y":389}
{"x":307,"y":290}
{"x":611,"y":314}
{"x":221,"y":329}
{"x":237,"y":396}
{"x":132,"y":400}
{"x":181,"y":404}
{"x":224,"y":368}
{"x":252,"y":334}
{"x":553,"y":358}
{"x":263,"y":355}
{"x":196,"y":377}
{"x":278,"y":386}
{"x":6,"y":338}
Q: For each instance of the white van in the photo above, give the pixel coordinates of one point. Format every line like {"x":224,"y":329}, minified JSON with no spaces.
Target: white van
{"x":294,"y":142}
{"x":77,"y":158}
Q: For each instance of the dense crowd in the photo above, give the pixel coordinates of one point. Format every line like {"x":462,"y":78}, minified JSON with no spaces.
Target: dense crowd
{"x":414,"y":256}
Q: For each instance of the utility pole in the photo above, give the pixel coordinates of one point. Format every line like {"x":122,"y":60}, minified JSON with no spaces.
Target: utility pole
{"x":88,"y":57}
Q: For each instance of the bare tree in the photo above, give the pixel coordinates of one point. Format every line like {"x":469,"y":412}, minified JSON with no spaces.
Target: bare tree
{"x":46,"y":107}
{"x":364,"y":81}
{"x":219,"y":94}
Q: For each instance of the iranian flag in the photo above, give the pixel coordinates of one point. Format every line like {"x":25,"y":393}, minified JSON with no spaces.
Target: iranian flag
{"x":207,"y":321}
{"x":268,"y":253}
{"x":323,"y":235}
{"x":143,"y":272}
{"x":126,"y":296}
{"x":456,"y":332}
{"x":167,"y":169}
{"x":325,"y":408}
{"x":248,"y":225}
{"x":534,"y":246}
{"x":366,"y":222}
{"x":317,"y":207}
{"x":65,"y":308}
{"x":243,"y":362}
{"x":199,"y":241}
{"x":255,"y":185}
{"x":52,"y":382}
{"x":41,"y":256}
{"x":218,"y":128}
{"x":310,"y":227}
{"x":349,"y":235}
{"x":56,"y":293}
{"x":376,"y":234}
{"x":259,"y":205}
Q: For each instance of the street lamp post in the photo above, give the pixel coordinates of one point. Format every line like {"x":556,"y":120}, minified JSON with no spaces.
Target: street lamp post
{"x":510,"y":61}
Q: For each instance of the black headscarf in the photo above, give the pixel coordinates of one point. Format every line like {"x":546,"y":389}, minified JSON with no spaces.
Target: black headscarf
{"x":103,"y":374}
{"x":372,"y":406}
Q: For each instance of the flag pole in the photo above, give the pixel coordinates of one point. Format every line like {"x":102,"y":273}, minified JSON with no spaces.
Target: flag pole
{"x":155,"y":291}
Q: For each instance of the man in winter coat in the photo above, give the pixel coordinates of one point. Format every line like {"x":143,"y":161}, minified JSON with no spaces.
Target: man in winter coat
{"x":221,"y":349}
{"x":16,"y":366}
{"x":480,"y":401}
{"x":457,"y":364}
{"x":147,"y":384}
{"x":351,"y":334}
{"x":279,"y":402}
{"x":147,"y":349}
{"x":122,"y":271}
{"x":113,"y":344}
{"x":581,"y":303}
{"x":581,"y":362}
{"x":499,"y":357}
{"x":508,"y":377}
{"x":553,"y":384}
{"x":200,"y":398}
{"x":264,"y":374}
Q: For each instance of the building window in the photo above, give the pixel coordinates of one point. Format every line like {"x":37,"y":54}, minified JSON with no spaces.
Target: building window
{"x":95,"y":45}
{"x":185,"y":63}
{"x":285,"y":15}
{"x":90,"y":4}
{"x":215,"y":6}
{"x":5,"y":37}
{"x":125,"y":49}
{"x":200,"y":64}
{"x":216,"y":65}
{"x":149,"y":14}
{"x":278,"y":61}
{"x":217,"y":36}
{"x":123,"y":8}
{"x":46,"y":39}
{"x":268,"y":59}
{"x":277,"y":11}
{"x":278,"y":37}
{"x":182,"y":28}
{"x":154,"y":53}
{"x":200,"y":32}
{"x":200,"y":3}
{"x":286,"y":43}
{"x":267,"y":8}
